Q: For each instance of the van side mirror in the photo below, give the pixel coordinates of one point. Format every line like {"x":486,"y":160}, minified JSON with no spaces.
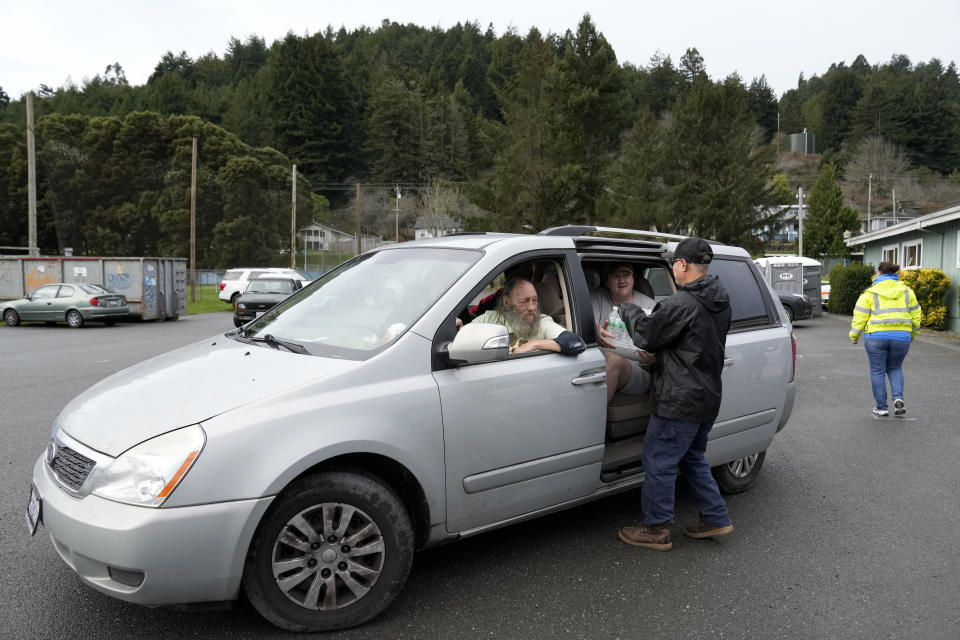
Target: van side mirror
{"x":480,"y":342}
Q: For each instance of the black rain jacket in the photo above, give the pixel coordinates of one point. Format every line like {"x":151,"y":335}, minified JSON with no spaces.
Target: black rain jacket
{"x":688,"y":333}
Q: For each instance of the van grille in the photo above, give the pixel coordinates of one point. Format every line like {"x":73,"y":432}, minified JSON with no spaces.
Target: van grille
{"x":71,"y":467}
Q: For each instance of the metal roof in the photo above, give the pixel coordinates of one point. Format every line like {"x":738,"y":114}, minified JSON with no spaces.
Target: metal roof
{"x":923,"y":222}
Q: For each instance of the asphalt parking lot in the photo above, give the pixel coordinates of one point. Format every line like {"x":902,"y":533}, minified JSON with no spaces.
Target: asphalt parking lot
{"x":850,"y":531}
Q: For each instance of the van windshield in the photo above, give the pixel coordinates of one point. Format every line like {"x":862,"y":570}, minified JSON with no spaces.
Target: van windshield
{"x":364,"y":304}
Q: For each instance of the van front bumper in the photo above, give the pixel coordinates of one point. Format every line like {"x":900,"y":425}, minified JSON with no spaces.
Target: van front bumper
{"x":149,"y":556}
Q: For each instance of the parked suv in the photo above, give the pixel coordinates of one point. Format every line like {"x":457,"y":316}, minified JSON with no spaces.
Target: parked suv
{"x":261,"y":295}
{"x":353,"y":423}
{"x":235,"y":280}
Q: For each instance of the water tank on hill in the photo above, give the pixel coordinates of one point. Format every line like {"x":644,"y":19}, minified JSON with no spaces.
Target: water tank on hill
{"x":804,"y":142}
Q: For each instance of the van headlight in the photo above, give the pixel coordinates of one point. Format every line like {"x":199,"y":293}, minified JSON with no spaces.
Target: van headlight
{"x":146,"y":475}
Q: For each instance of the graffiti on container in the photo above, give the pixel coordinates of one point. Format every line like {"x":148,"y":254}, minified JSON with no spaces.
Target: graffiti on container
{"x":119,"y":280}
{"x":37,"y":278}
{"x":149,"y":292}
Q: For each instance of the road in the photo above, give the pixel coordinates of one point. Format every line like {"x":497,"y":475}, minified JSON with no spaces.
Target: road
{"x":850,"y":531}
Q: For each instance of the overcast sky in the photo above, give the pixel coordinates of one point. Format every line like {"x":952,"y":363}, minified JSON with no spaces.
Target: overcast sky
{"x":53,"y":41}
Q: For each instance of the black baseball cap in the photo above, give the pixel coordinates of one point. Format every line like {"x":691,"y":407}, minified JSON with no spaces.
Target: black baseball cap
{"x":694,"y":251}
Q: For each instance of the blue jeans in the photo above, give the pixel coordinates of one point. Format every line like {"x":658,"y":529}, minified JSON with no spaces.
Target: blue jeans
{"x":669,"y":446}
{"x":886,"y":361}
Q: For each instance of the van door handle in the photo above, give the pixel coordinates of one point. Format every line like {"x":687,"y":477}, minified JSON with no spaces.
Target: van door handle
{"x":594,"y":377}
{"x":727,"y":362}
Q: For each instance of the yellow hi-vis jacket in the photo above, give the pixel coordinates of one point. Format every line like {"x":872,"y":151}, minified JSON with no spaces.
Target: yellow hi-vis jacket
{"x":888,"y":305}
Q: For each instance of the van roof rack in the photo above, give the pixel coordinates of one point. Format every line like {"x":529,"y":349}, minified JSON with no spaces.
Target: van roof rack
{"x":580,"y":230}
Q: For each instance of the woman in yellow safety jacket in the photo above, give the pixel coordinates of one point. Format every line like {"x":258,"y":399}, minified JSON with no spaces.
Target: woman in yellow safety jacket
{"x":888,"y":315}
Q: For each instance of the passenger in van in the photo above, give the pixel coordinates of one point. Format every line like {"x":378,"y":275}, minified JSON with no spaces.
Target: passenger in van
{"x":545,"y":279}
{"x":688,"y":333}
{"x":518,"y":309}
{"x":623,"y":375}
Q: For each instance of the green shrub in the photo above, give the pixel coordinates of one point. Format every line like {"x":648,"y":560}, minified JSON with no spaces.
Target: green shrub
{"x":846,"y":285}
{"x":930,"y":286}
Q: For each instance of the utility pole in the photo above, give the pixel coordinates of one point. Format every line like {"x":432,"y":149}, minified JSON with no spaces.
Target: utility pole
{"x":800,"y":218}
{"x":358,"y":219}
{"x":193,"y":222}
{"x":32,"y":248}
{"x":894,"y":194}
{"x":293,"y":226}
{"x":778,"y":134}
{"x":869,"y":198}
{"x":397,"y":213}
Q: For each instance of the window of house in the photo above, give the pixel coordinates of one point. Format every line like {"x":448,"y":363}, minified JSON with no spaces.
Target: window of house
{"x":889,"y":254}
{"x":911,"y":255}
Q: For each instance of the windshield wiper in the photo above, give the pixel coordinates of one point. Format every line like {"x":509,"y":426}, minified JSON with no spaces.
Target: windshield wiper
{"x":286,"y":344}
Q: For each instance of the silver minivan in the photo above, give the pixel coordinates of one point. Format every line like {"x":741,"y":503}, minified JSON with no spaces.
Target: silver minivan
{"x":354,"y":423}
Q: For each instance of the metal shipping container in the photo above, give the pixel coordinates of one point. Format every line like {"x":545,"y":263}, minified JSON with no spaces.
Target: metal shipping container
{"x":155,"y":288}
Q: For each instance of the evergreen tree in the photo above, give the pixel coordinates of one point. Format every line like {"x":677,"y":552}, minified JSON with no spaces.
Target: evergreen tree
{"x":13,"y":186}
{"x":517,"y":190}
{"x":314,"y":118}
{"x":588,"y":109}
{"x":393,"y":135}
{"x":763,"y":106}
{"x":246,"y":58}
{"x":691,"y":66}
{"x":716,"y":170}
{"x":827,"y":218}
{"x":935,"y":121}
{"x":637,"y":198}
{"x":840,"y":98}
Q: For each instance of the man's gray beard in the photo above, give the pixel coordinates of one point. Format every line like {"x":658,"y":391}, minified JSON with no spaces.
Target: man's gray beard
{"x":525,"y":330}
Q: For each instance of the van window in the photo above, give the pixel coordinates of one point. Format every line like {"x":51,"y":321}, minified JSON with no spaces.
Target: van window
{"x":366,"y":303}
{"x":661,"y":282}
{"x":746,"y":298}
{"x":233,"y":274}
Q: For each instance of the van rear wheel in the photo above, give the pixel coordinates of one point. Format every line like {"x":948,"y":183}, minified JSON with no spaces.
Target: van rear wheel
{"x":332,"y":552}
{"x":737,"y":476}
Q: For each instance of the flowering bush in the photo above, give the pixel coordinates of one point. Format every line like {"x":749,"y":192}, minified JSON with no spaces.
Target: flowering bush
{"x":930,"y":286}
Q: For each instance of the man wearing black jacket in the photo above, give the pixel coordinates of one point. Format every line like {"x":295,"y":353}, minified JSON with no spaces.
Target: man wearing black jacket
{"x":687,"y":332}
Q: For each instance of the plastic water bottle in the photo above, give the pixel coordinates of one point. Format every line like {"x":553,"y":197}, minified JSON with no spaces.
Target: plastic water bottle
{"x":617,"y":327}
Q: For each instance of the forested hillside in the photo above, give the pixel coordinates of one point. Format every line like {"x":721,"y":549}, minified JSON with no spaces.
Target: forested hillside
{"x":508,"y":132}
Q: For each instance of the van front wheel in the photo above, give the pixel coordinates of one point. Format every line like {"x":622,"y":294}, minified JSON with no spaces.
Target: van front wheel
{"x":332,"y":552}
{"x":737,"y":476}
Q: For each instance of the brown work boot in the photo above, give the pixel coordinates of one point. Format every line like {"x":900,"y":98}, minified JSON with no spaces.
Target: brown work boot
{"x":655,"y":536}
{"x":701,"y":530}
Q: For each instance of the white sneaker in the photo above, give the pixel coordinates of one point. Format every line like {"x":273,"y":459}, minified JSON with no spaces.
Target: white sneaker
{"x":880,"y":412}
{"x":898,"y":408}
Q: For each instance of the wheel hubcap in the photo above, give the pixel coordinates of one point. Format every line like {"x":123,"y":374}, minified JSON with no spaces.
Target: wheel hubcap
{"x":741,"y":468}
{"x":328,"y":556}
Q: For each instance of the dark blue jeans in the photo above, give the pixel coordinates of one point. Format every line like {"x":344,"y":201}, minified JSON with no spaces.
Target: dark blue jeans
{"x":670,"y":446}
{"x":886,"y":361}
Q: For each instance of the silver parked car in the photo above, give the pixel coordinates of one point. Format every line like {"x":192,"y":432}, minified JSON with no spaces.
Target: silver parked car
{"x":353,"y":424}
{"x":74,"y":304}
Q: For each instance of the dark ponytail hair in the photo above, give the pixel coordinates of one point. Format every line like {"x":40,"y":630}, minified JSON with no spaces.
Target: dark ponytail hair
{"x":888,"y":268}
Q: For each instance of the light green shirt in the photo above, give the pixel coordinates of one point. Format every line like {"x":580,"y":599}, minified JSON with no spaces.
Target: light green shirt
{"x":548,"y":329}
